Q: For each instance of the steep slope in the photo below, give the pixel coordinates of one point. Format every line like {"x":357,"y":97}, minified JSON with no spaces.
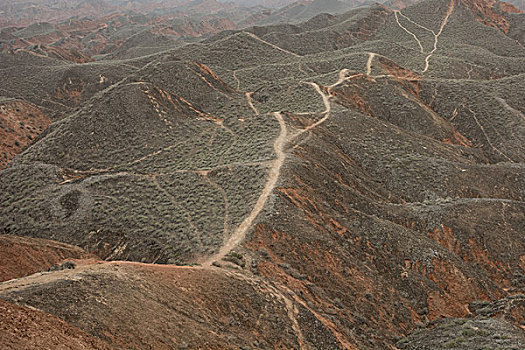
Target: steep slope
{"x":20,"y":122}
{"x":172,"y":308}
{"x":25,"y":328}
{"x":20,"y":256}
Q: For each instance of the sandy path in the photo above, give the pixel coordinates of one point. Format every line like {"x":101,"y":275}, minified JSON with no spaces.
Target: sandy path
{"x":328,"y":106}
{"x":40,"y":278}
{"x":436,"y":36}
{"x":273,"y":175}
{"x":371,"y":57}
{"x":249,"y":98}
{"x":415,"y":23}
{"x":408,"y":31}
{"x":342,"y":77}
{"x":272,"y":45}
{"x":450,"y":9}
{"x":487,"y":136}
{"x":237,"y":80}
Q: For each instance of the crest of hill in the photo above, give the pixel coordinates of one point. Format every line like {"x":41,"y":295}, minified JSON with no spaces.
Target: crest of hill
{"x":301,"y":11}
{"x":54,"y":85}
{"x":36,"y":29}
{"x":324,"y":32}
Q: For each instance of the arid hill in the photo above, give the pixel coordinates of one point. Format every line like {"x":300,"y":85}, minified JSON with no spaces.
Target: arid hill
{"x":355,"y":181}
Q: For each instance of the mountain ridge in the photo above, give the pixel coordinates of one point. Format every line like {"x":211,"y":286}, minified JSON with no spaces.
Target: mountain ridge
{"x":360,"y":189}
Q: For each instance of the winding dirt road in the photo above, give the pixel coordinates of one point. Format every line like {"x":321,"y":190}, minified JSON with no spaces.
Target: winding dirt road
{"x":273,"y":175}
{"x":250,"y":103}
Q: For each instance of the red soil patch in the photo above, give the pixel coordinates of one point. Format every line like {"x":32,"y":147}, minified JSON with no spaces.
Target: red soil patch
{"x":21,"y":256}
{"x":24,"y":328}
{"x":20,"y":123}
{"x":492,"y":13}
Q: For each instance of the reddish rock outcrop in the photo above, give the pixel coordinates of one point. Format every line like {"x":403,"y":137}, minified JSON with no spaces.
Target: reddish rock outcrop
{"x":20,"y":123}
{"x":21,"y":256}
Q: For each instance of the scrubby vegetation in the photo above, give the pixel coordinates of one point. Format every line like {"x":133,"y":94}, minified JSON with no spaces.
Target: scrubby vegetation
{"x":379,"y":173}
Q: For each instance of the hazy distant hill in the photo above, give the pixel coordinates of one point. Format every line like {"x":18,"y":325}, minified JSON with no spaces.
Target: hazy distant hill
{"x":520,"y":4}
{"x":266,"y":3}
{"x":304,"y":10}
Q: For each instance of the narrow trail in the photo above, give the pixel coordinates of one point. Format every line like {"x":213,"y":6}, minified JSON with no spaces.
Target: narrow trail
{"x":226,"y":226}
{"x":268,"y":287}
{"x":272,"y":45}
{"x":187,"y":214}
{"x":301,"y":69}
{"x":273,"y":174}
{"x":371,"y":57}
{"x":326,"y":101}
{"x":249,"y":98}
{"x":40,"y":278}
{"x":469,"y":77}
{"x":292,"y":312}
{"x":237,"y":79}
{"x":509,"y":108}
{"x":450,"y":9}
{"x":487,"y":136}
{"x":234,"y":142}
{"x":408,"y":31}
{"x":292,"y":309}
{"x":342,"y":77}
{"x":415,"y":23}
{"x":328,"y":324}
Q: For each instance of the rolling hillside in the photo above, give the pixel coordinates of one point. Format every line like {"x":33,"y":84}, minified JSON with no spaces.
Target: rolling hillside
{"x":353,"y":181}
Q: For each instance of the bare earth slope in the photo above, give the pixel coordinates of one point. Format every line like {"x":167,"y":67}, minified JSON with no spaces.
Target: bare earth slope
{"x":21,"y":256}
{"x":25,"y":328}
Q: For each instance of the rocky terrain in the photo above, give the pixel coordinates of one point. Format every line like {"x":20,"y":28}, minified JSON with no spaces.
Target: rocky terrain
{"x":352,"y":181}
